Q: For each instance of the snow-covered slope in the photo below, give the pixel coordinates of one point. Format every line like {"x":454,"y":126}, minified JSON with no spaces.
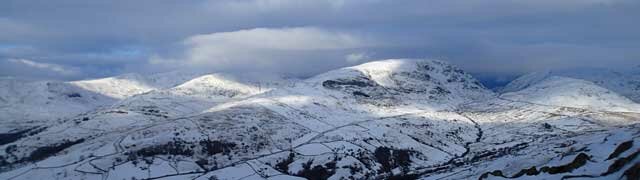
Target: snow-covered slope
{"x":199,"y":94}
{"x":526,"y":140}
{"x":569,"y":92}
{"x":391,"y":119}
{"x":425,"y":83}
{"x":127,"y":85}
{"x":30,"y":103}
{"x":26,"y":102}
{"x":214,"y":86}
{"x":623,"y":83}
{"x":357,"y":109}
{"x":37,"y":102}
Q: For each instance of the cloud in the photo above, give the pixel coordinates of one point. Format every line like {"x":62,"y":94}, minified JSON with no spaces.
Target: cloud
{"x":12,"y":30}
{"x":301,"y":38}
{"x":44,"y":66}
{"x":511,"y":58}
{"x":356,"y":58}
{"x":29,"y":69}
{"x":119,"y":36}
{"x":298,"y":51}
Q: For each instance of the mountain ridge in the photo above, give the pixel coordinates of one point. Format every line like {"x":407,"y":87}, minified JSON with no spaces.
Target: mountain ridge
{"x":399,"y":118}
{"x":625,"y":83}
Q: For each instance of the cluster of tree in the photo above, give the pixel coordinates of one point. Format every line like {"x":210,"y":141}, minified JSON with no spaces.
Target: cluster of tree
{"x":6,"y":138}
{"x":44,"y":152}
{"x":176,"y":147}
{"x":318,"y":172}
{"x":393,"y":158}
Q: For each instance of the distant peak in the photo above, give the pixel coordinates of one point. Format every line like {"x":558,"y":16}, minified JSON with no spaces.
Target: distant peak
{"x":397,"y":64}
{"x":572,"y":92}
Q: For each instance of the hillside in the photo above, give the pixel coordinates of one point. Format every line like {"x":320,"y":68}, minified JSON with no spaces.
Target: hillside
{"x":569,"y":92}
{"x":624,"y":83}
{"x":390,"y":119}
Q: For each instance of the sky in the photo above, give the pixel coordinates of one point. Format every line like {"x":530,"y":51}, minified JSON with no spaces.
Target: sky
{"x":496,"y":39}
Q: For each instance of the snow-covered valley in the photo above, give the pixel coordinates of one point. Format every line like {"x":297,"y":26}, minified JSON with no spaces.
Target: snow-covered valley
{"x":390,"y":119}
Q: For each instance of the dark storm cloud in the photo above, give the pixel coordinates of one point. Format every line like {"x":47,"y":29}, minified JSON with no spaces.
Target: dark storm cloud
{"x":99,"y":38}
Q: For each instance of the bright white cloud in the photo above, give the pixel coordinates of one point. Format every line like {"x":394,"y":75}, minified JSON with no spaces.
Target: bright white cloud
{"x":270,"y":49}
{"x":356,"y":58}
{"x":44,"y":66}
{"x":305,"y":38}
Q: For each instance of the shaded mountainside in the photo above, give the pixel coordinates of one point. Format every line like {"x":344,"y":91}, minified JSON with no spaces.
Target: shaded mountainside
{"x":391,"y":119}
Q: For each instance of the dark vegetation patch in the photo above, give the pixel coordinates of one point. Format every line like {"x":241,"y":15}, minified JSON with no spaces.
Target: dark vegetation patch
{"x":580,"y":160}
{"x":620,"y":149}
{"x":202,"y":163}
{"x":170,"y":148}
{"x":6,"y":138}
{"x":42,"y":153}
{"x":183,"y":148}
{"x":358,"y":93}
{"x":318,"y":172}
{"x":336,"y":84}
{"x":365,"y":158}
{"x":529,"y":172}
{"x":3,"y":162}
{"x":496,"y":173}
{"x":153,"y":111}
{"x":80,"y":120}
{"x":393,"y":158}
{"x":215,"y":147}
{"x":283,"y":166}
{"x":74,"y":95}
{"x":9,"y":150}
{"x":633,"y":172}
{"x":620,"y":163}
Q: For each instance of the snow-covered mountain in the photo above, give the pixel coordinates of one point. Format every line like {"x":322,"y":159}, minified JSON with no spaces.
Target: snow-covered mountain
{"x":624,"y":83}
{"x":41,"y":102}
{"x":34,"y":102}
{"x":390,"y":119}
{"x":569,"y":92}
{"x":127,"y":85}
{"x":200,"y":94}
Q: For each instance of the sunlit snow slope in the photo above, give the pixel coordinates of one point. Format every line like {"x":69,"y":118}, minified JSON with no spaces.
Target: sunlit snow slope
{"x":624,"y":83}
